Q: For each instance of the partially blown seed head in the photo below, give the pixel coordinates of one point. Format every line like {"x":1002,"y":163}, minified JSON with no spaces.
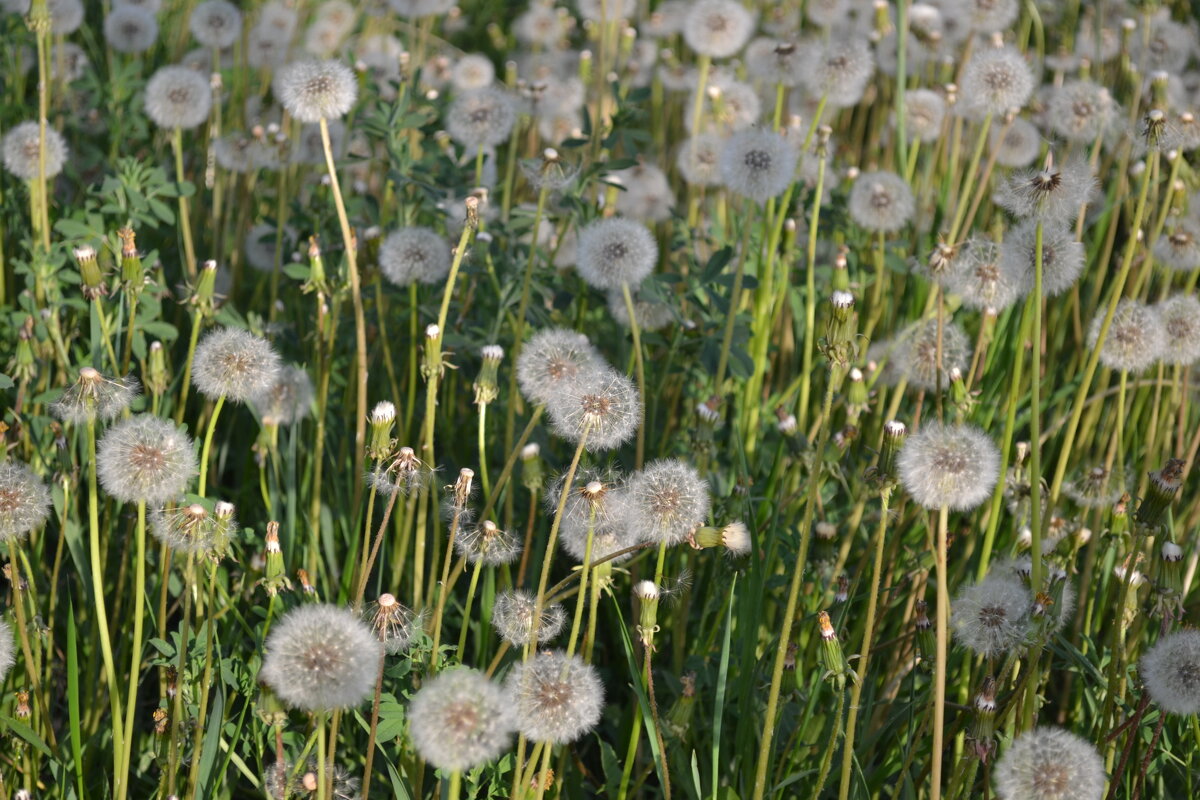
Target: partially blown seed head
{"x":194,"y":529}
{"x":234,"y":363}
{"x":24,"y":500}
{"x":145,"y":459}
{"x":1054,"y":193}
{"x":320,"y":657}
{"x":394,"y":624}
{"x":916,"y":353}
{"x":1171,"y":672}
{"x":1050,"y":764}
{"x":556,"y":698}
{"x":949,"y":465}
{"x":94,"y":396}
{"x":460,"y":719}
{"x":487,"y":543}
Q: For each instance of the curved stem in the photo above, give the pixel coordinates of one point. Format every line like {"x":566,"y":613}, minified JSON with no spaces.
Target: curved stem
{"x":204,"y":451}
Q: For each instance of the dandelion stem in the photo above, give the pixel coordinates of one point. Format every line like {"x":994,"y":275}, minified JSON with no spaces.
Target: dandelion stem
{"x":139,"y":608}
{"x":185,"y":219}
{"x":939,"y":674}
{"x":634,"y":328}
{"x":205,"y":450}
{"x":466,"y":626}
{"x":1035,"y":414}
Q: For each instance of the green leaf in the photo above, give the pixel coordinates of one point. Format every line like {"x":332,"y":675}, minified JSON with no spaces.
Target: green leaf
{"x":5,"y":381}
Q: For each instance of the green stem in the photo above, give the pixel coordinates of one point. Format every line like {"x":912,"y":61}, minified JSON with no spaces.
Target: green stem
{"x":635,"y":329}
{"x":204,"y":451}
{"x":939,"y":674}
{"x":139,"y":607}
{"x":1035,"y":413}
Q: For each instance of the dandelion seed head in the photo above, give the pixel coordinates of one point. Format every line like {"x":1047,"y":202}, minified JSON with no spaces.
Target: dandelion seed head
{"x":8,"y":650}
{"x":130,"y":29}
{"x":648,"y":196}
{"x":651,"y":315}
{"x":481,"y":117}
{"x":216,"y":23}
{"x":1178,"y":248}
{"x":145,"y":459}
{"x":924,"y":111}
{"x":1017,"y":146}
{"x":21,"y":145}
{"x":289,"y":398}
{"x":840,"y":69}
{"x":487,"y":543}
{"x":553,"y":360}
{"x":320,"y":657}
{"x":193,"y":528}
{"x":916,"y":353}
{"x":667,"y":501}
{"x":1096,"y":487}
{"x":394,"y":624}
{"x":1136,"y":337}
{"x":1081,"y":111}
{"x":602,"y":404}
{"x":881,"y":201}
{"x":774,"y":62}
{"x":615,"y":251}
{"x":990,"y":16}
{"x":414,"y":255}
{"x":949,"y":465}
{"x":604,"y":511}
{"x":472,"y":71}
{"x":1049,"y":764}
{"x":1054,"y":193}
{"x":178,"y":97}
{"x":314,"y":90}
{"x":698,"y":160}
{"x":758,"y":163}
{"x":460,"y":719}
{"x":1180,"y":316}
{"x":1062,"y":256}
{"x":234,"y":363}
{"x":556,"y":698}
{"x":1167,"y":47}
{"x":996,"y":80}
{"x":24,"y":500}
{"x":512,"y":618}
{"x":1171,"y":672}
{"x":985,"y":281}
{"x":717,"y":28}
{"x":991,"y":617}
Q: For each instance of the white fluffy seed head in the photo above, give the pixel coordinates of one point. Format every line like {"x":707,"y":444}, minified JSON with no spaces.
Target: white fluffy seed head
{"x":1180,"y":315}
{"x":145,"y":459}
{"x":604,"y":512}
{"x":488,"y":544}
{"x":667,"y":501}
{"x":949,"y":465}
{"x":758,"y":163}
{"x":234,"y":363}
{"x":415,"y":254}
{"x":317,"y":89}
{"x":1062,"y":256}
{"x":553,"y":360}
{"x":512,"y":618}
{"x":1052,"y":193}
{"x":1136,"y":337}
{"x":320,"y":657}
{"x":991,"y":617}
{"x":840,"y":69}
{"x":615,"y":251}
{"x":178,"y":97}
{"x":1017,"y":146}
{"x":717,"y":28}
{"x":1178,"y":248}
{"x":8,"y":651}
{"x":216,"y":23}
{"x":881,"y":201}
{"x":1050,"y":764}
{"x":996,"y":80}
{"x":556,"y":698}
{"x":21,"y":145}
{"x":924,"y":111}
{"x":481,"y":117}
{"x":982,"y":279}
{"x":460,"y":719}
{"x":698,"y":160}
{"x":1171,"y":672}
{"x":130,"y":29}
{"x":602,"y":404}
{"x":916,"y":353}
{"x":1081,"y":111}
{"x":288,"y":399}
{"x":24,"y":501}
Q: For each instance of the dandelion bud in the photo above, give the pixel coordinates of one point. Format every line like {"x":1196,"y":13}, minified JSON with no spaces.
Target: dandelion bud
{"x":161,"y":720}
{"x":982,"y":736}
{"x":841,"y":318}
{"x":306,"y":584}
{"x":894,"y":434}
{"x":925,"y":639}
{"x":1172,"y":572}
{"x":383,"y":415}
{"x":156,"y":374}
{"x":132,"y":275}
{"x":531,"y":467}
{"x":316,"y":266}
{"x":786,"y":422}
{"x":648,"y":594}
{"x":734,"y":537}
{"x":831,"y":649}
{"x":89,"y":272}
{"x":431,"y":364}
{"x":275,"y":579}
{"x":486,"y":388}
{"x":857,"y":396}
{"x":843,"y":589}
{"x":709,"y":410}
{"x":1164,"y":483}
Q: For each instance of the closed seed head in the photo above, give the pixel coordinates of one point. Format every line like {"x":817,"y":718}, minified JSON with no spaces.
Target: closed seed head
{"x":24,"y":500}
{"x":556,"y":698}
{"x":21,"y":145}
{"x":234,"y":363}
{"x":415,"y":254}
{"x":314,"y":90}
{"x":1050,"y":764}
{"x":512,"y":618}
{"x":178,"y":97}
{"x":955,"y":466}
{"x":320,"y":657}
{"x":460,"y":719}
{"x":601,"y":404}
{"x":615,"y":251}
{"x":667,"y":501}
{"x":145,"y":459}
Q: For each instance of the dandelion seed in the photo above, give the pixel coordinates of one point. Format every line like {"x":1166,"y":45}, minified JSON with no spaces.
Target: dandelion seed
{"x":717,"y":28}
{"x":613,"y":252}
{"x":234,"y":363}
{"x":216,"y":23}
{"x":1180,"y":316}
{"x":320,"y":657}
{"x":758,"y":163}
{"x":145,"y":459}
{"x":21,"y":145}
{"x":178,"y":97}
{"x":667,"y":501}
{"x":414,"y":255}
{"x":480,"y":118}
{"x":881,"y":201}
{"x":460,"y":719}
{"x":995,"y":81}
{"x":1054,"y":193}
{"x":130,"y":29}
{"x":955,"y":466}
{"x":94,"y":396}
{"x":395,"y":624}
{"x":556,"y":698}
{"x":1050,"y":764}
{"x":601,"y":404}
{"x":512,"y":617}
{"x":24,"y":501}
{"x":288,"y":400}
{"x":1062,"y":256}
{"x":1136,"y":337}
{"x":315,"y":90}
